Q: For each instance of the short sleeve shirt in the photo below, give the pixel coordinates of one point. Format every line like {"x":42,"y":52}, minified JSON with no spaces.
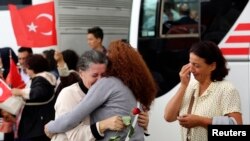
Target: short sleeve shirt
{"x":220,"y":98}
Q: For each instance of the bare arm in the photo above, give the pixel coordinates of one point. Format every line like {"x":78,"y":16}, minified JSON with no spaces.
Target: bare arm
{"x":61,"y":64}
{"x":59,"y":59}
{"x":173,"y":106}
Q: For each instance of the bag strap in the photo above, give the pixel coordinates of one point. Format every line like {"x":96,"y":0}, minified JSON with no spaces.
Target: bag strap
{"x":40,"y":103}
{"x":190,"y":106}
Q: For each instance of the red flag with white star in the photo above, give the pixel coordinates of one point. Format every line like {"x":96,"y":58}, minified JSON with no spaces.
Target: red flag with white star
{"x":34,"y":26}
{"x":14,"y":79}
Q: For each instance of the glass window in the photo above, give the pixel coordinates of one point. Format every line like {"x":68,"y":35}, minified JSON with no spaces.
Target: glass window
{"x":4,"y":3}
{"x":148,"y":21}
{"x":180,"y":17}
{"x":217,"y":20}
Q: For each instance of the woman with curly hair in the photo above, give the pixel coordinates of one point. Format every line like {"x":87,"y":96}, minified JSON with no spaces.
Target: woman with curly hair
{"x":127,"y":81}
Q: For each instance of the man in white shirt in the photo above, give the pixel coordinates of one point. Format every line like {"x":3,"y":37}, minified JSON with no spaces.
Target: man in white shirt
{"x":23,"y":53}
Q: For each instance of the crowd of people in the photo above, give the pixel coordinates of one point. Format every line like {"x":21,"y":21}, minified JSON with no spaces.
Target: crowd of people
{"x":70,"y":98}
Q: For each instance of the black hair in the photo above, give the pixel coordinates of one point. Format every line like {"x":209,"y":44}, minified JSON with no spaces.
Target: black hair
{"x":37,"y":63}
{"x":96,"y":31}
{"x":25,"y":49}
{"x":211,"y":53}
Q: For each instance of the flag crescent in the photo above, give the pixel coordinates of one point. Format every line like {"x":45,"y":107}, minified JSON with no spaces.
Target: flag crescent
{"x":48,"y":16}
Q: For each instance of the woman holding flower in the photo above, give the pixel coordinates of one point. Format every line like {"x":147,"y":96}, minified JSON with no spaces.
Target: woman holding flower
{"x":127,"y":81}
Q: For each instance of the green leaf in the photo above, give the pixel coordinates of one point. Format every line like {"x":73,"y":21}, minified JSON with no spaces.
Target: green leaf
{"x":115,"y":138}
{"x":132,"y":131}
{"x":126,"y":120}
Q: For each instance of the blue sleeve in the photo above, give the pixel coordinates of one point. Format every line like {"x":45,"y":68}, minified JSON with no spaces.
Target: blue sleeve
{"x":95,"y":97}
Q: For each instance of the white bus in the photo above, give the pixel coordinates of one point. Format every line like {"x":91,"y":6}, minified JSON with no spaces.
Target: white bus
{"x":164,"y":46}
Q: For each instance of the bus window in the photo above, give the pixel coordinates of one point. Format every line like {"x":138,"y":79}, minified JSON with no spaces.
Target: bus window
{"x":166,"y":53}
{"x":4,"y":3}
{"x":180,"y":18}
{"x":148,"y":18}
{"x":216,"y":20}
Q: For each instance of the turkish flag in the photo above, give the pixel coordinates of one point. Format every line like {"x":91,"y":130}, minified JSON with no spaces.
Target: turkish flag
{"x":34,"y":26}
{"x":14,"y":78}
{"x":5,"y":91}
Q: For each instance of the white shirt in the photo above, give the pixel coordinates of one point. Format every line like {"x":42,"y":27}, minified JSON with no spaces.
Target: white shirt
{"x":67,"y":99}
{"x":25,"y":76}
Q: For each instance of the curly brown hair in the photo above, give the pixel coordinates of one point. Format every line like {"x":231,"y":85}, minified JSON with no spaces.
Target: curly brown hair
{"x":128,"y":65}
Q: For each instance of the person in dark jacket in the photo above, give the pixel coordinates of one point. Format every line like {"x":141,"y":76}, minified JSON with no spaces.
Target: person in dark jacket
{"x":39,"y":96}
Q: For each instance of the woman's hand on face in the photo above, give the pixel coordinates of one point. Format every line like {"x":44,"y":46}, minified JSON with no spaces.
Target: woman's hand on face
{"x":185,"y":74}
